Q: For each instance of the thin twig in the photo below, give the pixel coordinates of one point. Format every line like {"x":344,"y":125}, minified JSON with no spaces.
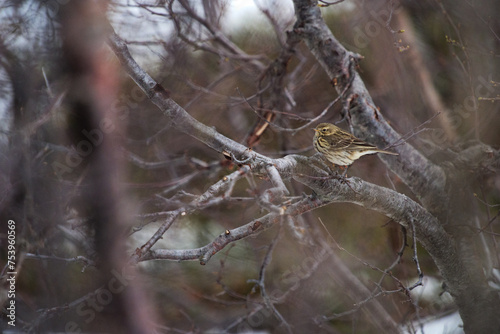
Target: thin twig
{"x":261,"y":282}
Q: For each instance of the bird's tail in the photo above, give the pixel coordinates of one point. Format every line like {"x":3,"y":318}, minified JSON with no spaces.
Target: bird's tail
{"x":387,"y":152}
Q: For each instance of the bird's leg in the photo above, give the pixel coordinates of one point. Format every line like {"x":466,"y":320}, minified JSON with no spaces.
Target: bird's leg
{"x":331,"y":168}
{"x":344,"y":170}
{"x":343,"y":177}
{"x":331,"y":171}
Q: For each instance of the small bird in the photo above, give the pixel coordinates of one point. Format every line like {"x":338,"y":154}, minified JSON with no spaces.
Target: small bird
{"x":341,"y":148}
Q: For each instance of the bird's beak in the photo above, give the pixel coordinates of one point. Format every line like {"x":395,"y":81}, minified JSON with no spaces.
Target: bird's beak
{"x":315,"y":130}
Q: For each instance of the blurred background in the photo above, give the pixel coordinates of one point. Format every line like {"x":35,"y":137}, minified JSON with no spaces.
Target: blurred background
{"x":431,"y":67}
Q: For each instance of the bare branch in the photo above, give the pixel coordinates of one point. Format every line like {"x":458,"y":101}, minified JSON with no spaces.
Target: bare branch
{"x":208,"y":198}
{"x":425,"y":178}
{"x":228,"y":48}
{"x":421,"y":175}
{"x":86,"y":262}
{"x":262,"y":286}
{"x":394,"y":205}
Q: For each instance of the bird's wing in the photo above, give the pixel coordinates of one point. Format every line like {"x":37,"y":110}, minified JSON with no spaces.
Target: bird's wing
{"x":358,"y":144}
{"x":351,"y":143}
{"x":341,"y":143}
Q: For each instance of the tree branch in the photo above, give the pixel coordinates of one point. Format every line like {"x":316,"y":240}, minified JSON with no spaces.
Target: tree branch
{"x":424,"y":178}
{"x":394,"y":205}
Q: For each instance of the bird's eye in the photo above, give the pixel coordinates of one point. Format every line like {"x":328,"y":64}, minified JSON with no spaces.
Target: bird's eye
{"x":323,"y":130}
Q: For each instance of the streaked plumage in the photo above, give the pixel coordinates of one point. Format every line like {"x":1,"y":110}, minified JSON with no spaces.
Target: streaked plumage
{"x":341,"y":148}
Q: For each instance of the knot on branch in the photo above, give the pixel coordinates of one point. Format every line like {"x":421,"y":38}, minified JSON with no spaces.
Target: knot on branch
{"x":475,"y":158}
{"x":160,"y":90}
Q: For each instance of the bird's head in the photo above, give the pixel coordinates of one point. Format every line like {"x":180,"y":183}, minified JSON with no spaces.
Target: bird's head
{"x":325,"y":129}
